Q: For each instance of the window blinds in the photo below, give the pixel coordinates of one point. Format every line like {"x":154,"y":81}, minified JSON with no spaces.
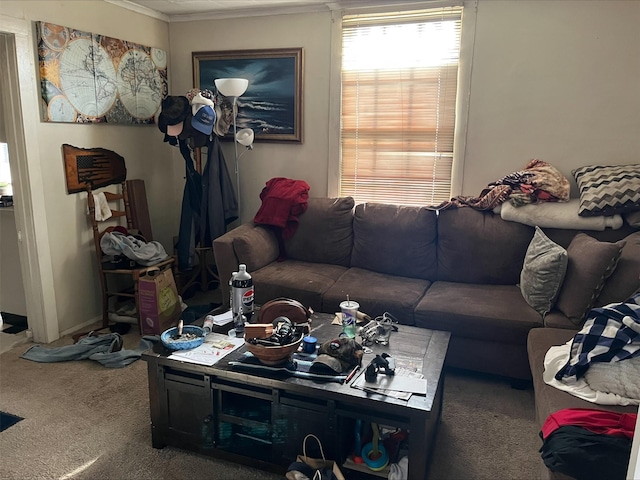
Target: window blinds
{"x":399,"y":82}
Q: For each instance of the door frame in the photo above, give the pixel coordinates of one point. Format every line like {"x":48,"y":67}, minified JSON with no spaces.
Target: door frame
{"x":21,"y":114}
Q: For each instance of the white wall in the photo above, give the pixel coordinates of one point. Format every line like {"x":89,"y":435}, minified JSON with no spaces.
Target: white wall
{"x":12,"y":299}
{"x":307,"y":161}
{"x":550,"y":80}
{"x":72,"y":258}
{"x":556,"y":81}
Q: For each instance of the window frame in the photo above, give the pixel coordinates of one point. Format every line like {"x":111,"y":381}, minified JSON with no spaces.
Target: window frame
{"x":467,"y":42}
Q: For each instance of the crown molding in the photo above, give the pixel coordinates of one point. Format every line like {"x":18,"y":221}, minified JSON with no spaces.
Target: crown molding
{"x":134,"y":7}
{"x":345,"y":5}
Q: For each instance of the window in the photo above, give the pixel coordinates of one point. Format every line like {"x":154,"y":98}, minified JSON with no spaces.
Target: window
{"x":399,"y":86}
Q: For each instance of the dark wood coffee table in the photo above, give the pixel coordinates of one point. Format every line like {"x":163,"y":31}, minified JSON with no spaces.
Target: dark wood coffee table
{"x":261,"y":419}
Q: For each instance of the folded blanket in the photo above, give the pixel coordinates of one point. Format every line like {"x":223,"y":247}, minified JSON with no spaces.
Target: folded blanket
{"x":557,"y":215}
{"x":556,"y":358}
{"x":622,"y":378}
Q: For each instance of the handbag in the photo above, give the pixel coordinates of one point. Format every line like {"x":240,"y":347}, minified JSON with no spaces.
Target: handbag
{"x":314,"y":468}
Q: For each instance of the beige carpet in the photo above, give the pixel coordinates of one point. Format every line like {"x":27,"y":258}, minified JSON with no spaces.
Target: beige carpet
{"x":84,"y":421}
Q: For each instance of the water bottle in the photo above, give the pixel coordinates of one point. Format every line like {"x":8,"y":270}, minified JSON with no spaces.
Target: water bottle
{"x":242,"y":295}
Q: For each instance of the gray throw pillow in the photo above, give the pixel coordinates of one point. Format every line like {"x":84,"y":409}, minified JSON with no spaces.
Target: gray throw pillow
{"x":543,"y":271}
{"x":591,"y":262}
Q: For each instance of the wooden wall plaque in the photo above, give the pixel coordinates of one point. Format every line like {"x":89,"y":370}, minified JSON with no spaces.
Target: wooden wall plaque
{"x":94,"y":167}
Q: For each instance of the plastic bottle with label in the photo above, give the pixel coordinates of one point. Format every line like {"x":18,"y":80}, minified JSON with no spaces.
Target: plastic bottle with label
{"x":242,"y":295}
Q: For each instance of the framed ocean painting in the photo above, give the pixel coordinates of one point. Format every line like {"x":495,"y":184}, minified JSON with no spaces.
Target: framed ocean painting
{"x":272,"y":104}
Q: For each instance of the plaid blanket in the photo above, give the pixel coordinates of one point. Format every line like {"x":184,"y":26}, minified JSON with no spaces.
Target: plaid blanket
{"x":610,"y":334}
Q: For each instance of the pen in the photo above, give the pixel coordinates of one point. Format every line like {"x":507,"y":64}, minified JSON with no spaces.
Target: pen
{"x":352,"y":374}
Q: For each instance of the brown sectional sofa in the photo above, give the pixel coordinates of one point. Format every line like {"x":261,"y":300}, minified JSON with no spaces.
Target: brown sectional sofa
{"x":456,"y":270}
{"x":549,"y":399}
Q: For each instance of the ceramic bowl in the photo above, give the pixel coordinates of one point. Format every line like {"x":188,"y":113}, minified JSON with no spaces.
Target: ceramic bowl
{"x":172,"y":343}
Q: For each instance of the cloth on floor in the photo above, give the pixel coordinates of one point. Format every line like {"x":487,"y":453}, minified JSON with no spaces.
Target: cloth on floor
{"x":610,"y":333}
{"x":104,"y":349}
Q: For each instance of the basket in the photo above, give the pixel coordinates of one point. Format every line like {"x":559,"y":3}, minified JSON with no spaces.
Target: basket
{"x":171,"y":344}
{"x":274,"y":355}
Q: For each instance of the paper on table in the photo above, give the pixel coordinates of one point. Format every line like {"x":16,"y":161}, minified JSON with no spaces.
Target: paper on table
{"x":223,"y":318}
{"x":215,"y":347}
{"x":401,"y":385}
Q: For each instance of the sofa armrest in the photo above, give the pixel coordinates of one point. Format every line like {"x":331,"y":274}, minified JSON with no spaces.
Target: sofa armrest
{"x":253,"y":245}
{"x":557,"y":319}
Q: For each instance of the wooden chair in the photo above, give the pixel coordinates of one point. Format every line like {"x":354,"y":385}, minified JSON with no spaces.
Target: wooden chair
{"x":86,"y":170}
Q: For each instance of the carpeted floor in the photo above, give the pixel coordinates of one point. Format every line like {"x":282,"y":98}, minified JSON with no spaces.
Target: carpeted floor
{"x":84,"y":421}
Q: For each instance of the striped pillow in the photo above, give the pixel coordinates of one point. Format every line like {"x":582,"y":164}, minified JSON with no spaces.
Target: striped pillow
{"x":608,"y":189}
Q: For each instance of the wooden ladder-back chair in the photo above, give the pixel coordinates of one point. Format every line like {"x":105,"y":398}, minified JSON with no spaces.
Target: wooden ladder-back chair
{"x":89,"y":169}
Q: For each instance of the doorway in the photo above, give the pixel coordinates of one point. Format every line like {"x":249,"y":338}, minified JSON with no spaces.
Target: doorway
{"x":19,"y":116}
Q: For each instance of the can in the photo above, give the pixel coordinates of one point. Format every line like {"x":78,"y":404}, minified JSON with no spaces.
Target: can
{"x":207,"y":326}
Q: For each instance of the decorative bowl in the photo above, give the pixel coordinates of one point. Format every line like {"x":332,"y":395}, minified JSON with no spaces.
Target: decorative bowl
{"x":274,"y":355}
{"x":172,"y":343}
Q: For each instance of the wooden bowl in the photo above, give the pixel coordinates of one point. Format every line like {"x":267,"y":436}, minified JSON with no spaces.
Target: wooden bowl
{"x":274,"y":355}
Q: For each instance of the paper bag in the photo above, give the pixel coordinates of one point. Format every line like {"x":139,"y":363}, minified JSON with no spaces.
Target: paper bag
{"x":158,"y":301}
{"x":322,"y":467}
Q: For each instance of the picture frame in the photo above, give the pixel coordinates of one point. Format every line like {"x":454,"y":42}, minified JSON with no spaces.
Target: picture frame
{"x":272,"y":106}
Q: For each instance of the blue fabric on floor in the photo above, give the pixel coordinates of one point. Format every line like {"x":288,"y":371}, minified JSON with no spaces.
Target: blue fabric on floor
{"x":105,"y":349}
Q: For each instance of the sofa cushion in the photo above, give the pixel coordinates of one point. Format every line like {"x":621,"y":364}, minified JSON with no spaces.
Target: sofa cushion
{"x":497,"y":313}
{"x":542,"y":273}
{"x":608,"y":189}
{"x":255,"y":258}
{"x":590,"y":263}
{"x":302,"y":281}
{"x":377,"y":293}
{"x":479,"y":247}
{"x":325,"y":232}
{"x":396,"y":240}
{"x":625,"y":278}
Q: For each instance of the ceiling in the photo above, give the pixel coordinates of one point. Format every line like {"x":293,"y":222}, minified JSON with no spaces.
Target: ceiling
{"x":188,"y":10}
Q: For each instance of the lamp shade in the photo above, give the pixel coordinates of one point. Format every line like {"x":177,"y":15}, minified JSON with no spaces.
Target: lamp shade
{"x":231,"y":87}
{"x":245,"y":137}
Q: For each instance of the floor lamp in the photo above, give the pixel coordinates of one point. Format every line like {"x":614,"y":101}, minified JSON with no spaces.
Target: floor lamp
{"x":233,"y":88}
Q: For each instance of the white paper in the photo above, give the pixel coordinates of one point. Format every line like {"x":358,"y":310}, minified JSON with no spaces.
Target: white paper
{"x":223,"y":318}
{"x":215,"y":347}
{"x":402,"y":385}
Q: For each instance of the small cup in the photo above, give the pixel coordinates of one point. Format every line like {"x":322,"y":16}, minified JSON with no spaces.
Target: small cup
{"x":309,"y":344}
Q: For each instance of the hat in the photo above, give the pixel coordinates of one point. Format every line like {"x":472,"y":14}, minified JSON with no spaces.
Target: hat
{"x":193,"y":137}
{"x":174,"y":110}
{"x":338,"y":356}
{"x":204,"y":119}
{"x":198,"y":101}
{"x":326,"y":364}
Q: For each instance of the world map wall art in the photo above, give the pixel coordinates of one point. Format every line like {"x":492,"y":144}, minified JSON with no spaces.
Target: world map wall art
{"x":91,"y":78}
